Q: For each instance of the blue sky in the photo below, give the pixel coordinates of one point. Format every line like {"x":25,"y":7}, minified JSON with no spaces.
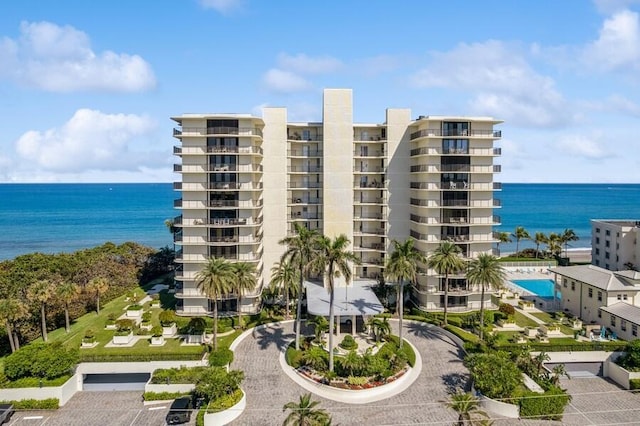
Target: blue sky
{"x":87,"y":88}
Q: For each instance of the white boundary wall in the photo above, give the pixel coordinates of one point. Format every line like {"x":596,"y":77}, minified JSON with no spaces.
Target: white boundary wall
{"x":62,"y":393}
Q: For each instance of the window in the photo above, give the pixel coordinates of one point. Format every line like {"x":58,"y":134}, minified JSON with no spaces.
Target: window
{"x":624,"y":297}
{"x":617,"y":246}
{"x":607,"y":233}
{"x":606,"y":256}
{"x":597,"y":251}
{"x":606,"y":266}
{"x":617,"y":258}
{"x":564,"y":283}
{"x":597,"y":240}
{"x":634,"y":329}
{"x":623,"y":325}
{"x":591,"y":292}
{"x":619,"y":297}
{"x":613,"y":321}
{"x":607,"y":244}
{"x":597,"y":262}
{"x":617,"y":235}
{"x":573,"y":286}
{"x":597,"y":230}
{"x":599,"y":296}
{"x":599,"y":313}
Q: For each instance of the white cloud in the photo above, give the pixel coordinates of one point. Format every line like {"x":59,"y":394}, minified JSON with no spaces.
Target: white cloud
{"x":501,"y":81}
{"x":612,"y":6}
{"x":304,"y":64}
{"x":91,"y":140}
{"x":618,"y":45}
{"x":582,"y":146}
{"x":60,"y":59}
{"x":278,"y":80}
{"x":222,"y":6}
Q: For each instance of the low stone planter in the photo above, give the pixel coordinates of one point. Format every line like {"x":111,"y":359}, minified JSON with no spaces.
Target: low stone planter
{"x":226,"y":416}
{"x":88,"y":344}
{"x":122,"y":340}
{"x":134,"y":313}
{"x":157,"y":340}
{"x":170,"y":330}
{"x":146,"y":327}
{"x":111,"y":327}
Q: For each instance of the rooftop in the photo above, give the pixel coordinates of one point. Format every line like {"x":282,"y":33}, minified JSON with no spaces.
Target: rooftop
{"x":625,"y":311}
{"x":355,"y":299}
{"x":600,"y":277}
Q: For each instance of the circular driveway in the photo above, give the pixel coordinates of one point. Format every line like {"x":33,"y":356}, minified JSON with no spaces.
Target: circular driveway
{"x":268,"y":388}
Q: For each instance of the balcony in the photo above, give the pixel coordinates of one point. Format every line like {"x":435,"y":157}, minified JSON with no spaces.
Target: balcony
{"x":365,"y":232}
{"x":439,"y":133}
{"x":304,"y":169}
{"x":303,"y":185}
{"x":205,"y":131}
{"x":295,"y":136}
{"x":369,"y":136}
{"x":370,"y":216}
{"x":304,"y":153}
{"x":367,"y":169}
{"x":368,"y":153}
{"x":369,"y":247}
{"x":305,"y":200}
{"x":247,"y":186}
{"x":224,"y":222}
{"x":306,"y":216}
{"x":234,"y":150}
{"x":366,"y":200}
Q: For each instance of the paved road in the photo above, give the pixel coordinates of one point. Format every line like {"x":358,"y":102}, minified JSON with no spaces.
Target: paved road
{"x":268,"y":388}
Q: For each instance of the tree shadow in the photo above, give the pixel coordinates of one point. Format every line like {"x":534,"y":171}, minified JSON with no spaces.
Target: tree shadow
{"x":365,"y":307}
{"x":456,"y":381}
{"x":267,"y":337}
{"x":423,"y":330}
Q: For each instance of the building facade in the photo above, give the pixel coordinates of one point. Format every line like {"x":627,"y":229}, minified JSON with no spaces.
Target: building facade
{"x":614,"y":244}
{"x":246,"y":181}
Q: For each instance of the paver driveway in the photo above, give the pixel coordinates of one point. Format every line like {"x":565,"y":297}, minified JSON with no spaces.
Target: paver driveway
{"x":268,"y":388}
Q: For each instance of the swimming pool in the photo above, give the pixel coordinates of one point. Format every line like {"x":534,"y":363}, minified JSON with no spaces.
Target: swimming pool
{"x":542,"y":288}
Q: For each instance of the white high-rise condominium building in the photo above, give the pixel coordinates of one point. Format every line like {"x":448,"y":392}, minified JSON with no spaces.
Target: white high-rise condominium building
{"x":614,"y":244}
{"x":247,"y":180}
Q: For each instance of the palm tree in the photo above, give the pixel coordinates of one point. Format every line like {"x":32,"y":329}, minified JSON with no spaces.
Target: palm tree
{"x":41,"y":292}
{"x":98,"y":286}
{"x":539,"y":238}
{"x":520,"y":234}
{"x":465,"y":404}
{"x":304,"y":413}
{"x":300,"y":250}
{"x":446,"y":260}
{"x":215,"y":279}
{"x":503,"y":237}
{"x":403,"y":265}
{"x":568,"y":235}
{"x":67,"y":292}
{"x":320,"y":326}
{"x":485,"y":271}
{"x":285,"y":275}
{"x":333,"y":260}
{"x":171,"y":225}
{"x":554,"y":244}
{"x":379,"y":327}
{"x":244,"y":280}
{"x":12,"y":310}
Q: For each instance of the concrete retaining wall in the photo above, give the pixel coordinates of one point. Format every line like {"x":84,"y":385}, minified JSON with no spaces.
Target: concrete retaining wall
{"x":182,"y":387}
{"x":501,"y":408}
{"x":62,"y":393}
{"x":227,"y":416}
{"x":133,"y":367}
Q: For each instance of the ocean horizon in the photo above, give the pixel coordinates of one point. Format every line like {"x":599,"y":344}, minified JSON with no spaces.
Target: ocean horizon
{"x":64,"y":217}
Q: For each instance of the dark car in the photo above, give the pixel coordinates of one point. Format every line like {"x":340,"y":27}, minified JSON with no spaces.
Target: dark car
{"x":180,"y":411}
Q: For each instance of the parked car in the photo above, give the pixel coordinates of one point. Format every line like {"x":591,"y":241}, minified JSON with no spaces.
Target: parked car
{"x":6,"y":410}
{"x":180,"y":411}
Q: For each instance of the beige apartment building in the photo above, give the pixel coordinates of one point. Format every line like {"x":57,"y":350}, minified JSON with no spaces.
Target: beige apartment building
{"x":614,"y":244}
{"x":247,"y":180}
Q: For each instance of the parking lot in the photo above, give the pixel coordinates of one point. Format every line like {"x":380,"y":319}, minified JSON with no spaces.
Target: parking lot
{"x":99,"y":409}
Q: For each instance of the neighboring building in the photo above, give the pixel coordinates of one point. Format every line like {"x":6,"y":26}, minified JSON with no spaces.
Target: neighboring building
{"x":600,"y":296}
{"x":247,"y":180}
{"x":614,"y":244}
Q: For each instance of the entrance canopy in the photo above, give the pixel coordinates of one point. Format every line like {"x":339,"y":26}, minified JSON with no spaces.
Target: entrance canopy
{"x":355,"y":299}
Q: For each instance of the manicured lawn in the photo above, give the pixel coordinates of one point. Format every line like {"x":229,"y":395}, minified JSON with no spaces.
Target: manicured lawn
{"x":546,"y":317}
{"x":524,"y":321}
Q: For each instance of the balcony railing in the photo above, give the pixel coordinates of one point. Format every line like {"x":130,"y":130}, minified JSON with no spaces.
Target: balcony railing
{"x":305,"y":169}
{"x":234,"y":149}
{"x":303,"y":184}
{"x":378,"y":200}
{"x":295,"y":136}
{"x":304,"y":200}
{"x":370,"y":232}
{"x":304,"y":153}
{"x":204,"y":131}
{"x":306,"y":216}
{"x":366,"y":169}
{"x":368,"y":153}
{"x":493,"y":134}
{"x":249,"y":186}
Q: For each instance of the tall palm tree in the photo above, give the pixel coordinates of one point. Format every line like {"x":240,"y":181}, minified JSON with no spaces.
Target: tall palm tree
{"x":402,"y":266}
{"x":171,"y":225}
{"x":485,"y":271}
{"x":554,"y":244}
{"x":446,"y":260}
{"x":301,"y":248}
{"x":244,"y":280}
{"x":67,"y":292}
{"x":333,"y":260}
{"x":304,"y":413}
{"x":41,"y":292}
{"x":285,"y":275}
{"x":215,"y":279}
{"x":12,"y":310}
{"x":520,"y":234}
{"x":503,"y":237}
{"x":98,"y":286}
{"x":567,"y":236}
{"x":465,"y":404}
{"x":539,"y":238}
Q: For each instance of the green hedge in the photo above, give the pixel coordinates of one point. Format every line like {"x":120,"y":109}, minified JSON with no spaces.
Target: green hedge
{"x":163,"y":396}
{"x":34,"y":404}
{"x":464,"y":335}
{"x":220,"y":357}
{"x":293,"y":357}
{"x":406,"y":350}
{"x":182,"y":375}
{"x":35,"y":382}
{"x":547,"y":406}
{"x":634,"y":384}
{"x":161,"y":356}
{"x":225,"y":402}
{"x":566,"y":347}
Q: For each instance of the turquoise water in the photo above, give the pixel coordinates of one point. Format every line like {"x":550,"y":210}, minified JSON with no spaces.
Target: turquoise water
{"x":542,"y":288}
{"x":55,"y":218}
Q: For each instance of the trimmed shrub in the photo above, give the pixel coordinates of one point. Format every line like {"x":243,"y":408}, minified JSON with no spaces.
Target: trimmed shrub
{"x":221,"y":357}
{"x":357,"y":381}
{"x":630,"y":360}
{"x":156,"y":331}
{"x":455,"y":321}
{"x":35,"y":404}
{"x":36,"y":382}
{"x":134,"y":307}
{"x":146,"y":317}
{"x":634,"y":384}
{"x":348,"y":343}
{"x":167,"y":317}
{"x":182,"y":375}
{"x":507,"y":309}
{"x":42,"y":360}
{"x":495,"y":375}
{"x":125,"y":324}
{"x":225,"y":402}
{"x":163,"y":396}
{"x":293,"y":357}
{"x":548,"y":406}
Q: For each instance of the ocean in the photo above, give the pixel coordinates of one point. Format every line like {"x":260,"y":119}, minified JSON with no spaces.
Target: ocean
{"x":52,"y":218}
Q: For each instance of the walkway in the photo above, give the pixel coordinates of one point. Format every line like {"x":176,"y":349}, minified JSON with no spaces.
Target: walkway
{"x":269,"y":389}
